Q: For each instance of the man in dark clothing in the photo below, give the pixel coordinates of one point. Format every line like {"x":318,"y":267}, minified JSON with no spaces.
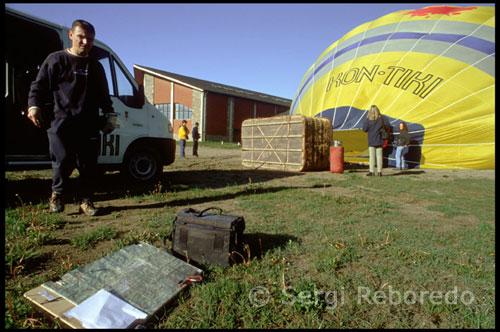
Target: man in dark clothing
{"x":196,"y":137}
{"x":75,"y":85}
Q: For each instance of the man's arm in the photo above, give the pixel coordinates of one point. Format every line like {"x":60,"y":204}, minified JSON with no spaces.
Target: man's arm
{"x":39,"y":94}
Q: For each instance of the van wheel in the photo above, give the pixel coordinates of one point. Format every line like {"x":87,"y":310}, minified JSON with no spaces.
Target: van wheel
{"x":142,"y":165}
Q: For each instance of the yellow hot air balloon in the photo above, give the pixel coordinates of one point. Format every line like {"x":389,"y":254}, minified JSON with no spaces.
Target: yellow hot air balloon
{"x":432,"y":68}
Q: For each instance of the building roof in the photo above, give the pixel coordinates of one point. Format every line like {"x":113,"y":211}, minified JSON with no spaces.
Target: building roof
{"x":216,"y":87}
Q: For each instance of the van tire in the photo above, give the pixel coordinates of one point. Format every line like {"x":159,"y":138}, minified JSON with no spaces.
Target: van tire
{"x":142,"y":165}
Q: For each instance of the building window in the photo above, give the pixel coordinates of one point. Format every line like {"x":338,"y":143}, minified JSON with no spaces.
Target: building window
{"x":183,"y":112}
{"x":164,"y":109}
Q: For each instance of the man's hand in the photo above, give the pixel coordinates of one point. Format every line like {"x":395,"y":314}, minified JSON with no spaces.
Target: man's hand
{"x":35,"y":115}
{"x":110,"y":124}
{"x":108,"y":128}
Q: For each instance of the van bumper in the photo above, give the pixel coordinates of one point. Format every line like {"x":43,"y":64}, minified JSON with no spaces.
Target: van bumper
{"x":166,"y":148}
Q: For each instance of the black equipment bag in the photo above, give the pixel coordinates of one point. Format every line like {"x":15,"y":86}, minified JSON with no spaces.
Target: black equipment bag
{"x":385,"y":131}
{"x":208,"y":238}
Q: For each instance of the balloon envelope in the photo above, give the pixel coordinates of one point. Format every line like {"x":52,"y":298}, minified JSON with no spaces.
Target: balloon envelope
{"x":432,"y":68}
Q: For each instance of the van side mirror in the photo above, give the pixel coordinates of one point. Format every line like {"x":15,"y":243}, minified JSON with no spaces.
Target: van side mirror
{"x":140,"y":96}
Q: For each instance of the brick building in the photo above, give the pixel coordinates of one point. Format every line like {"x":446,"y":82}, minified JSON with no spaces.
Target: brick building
{"x":220,"y":109}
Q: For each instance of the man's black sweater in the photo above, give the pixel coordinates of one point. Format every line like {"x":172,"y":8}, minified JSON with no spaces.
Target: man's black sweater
{"x":76,"y":86}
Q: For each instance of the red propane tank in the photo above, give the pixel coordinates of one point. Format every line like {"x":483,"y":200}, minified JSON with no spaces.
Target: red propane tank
{"x":336,"y":159}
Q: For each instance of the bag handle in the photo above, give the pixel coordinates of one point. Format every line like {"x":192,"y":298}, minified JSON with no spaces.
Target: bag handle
{"x":210,"y":208}
{"x":189,"y":210}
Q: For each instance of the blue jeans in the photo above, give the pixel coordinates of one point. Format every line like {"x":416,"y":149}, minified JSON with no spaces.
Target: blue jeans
{"x":400,"y":159}
{"x":183,"y":147}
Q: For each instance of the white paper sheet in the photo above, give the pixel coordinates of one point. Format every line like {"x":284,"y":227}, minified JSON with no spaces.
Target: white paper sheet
{"x":105,"y":310}
{"x":47,"y":295}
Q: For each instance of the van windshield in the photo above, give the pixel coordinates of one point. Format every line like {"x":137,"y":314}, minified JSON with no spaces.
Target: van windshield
{"x":118,"y":82}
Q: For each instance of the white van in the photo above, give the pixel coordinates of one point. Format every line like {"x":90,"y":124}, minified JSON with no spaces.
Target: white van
{"x":142,"y":142}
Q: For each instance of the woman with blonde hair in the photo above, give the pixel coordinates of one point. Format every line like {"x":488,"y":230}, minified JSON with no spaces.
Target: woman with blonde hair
{"x":373,"y":126}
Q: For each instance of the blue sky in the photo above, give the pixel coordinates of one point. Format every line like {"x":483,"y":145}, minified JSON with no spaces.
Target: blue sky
{"x":260,"y":47}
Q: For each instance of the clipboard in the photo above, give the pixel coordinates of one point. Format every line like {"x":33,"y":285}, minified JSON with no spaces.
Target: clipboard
{"x":142,"y":275}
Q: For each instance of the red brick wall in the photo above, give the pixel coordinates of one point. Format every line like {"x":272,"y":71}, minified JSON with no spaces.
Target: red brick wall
{"x":216,"y":114}
{"x":265,"y":110}
{"x":281,"y":109}
{"x":216,"y":107}
{"x":183,"y":95}
{"x":243,"y":109}
{"x":162,"y":91}
{"x":139,"y":76}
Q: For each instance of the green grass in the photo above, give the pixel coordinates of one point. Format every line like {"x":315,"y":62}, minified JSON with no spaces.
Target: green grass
{"x":90,"y":239}
{"x":210,"y":144}
{"x":318,"y":259}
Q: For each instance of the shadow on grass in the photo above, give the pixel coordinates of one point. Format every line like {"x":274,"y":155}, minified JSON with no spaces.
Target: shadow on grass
{"x":258,"y":245}
{"x":407,"y":173}
{"x":30,"y":264}
{"x":385,"y":174}
{"x":114,"y":186}
{"x":261,"y":243}
{"x":214,"y":179}
{"x":362,"y":168}
{"x":195,"y":201}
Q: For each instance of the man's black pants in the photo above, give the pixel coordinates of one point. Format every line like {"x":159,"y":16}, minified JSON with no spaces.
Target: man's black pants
{"x":195,"y":147}
{"x":68,"y":152}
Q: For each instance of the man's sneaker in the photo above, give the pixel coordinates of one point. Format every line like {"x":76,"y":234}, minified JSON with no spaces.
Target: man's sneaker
{"x":88,"y":208}
{"x":55,"y":204}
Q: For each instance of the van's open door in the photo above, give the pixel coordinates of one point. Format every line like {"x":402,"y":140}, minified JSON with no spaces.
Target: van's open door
{"x":26,"y":47}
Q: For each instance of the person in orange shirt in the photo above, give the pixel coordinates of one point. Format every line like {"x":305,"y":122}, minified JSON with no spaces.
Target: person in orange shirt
{"x":183,"y":136}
